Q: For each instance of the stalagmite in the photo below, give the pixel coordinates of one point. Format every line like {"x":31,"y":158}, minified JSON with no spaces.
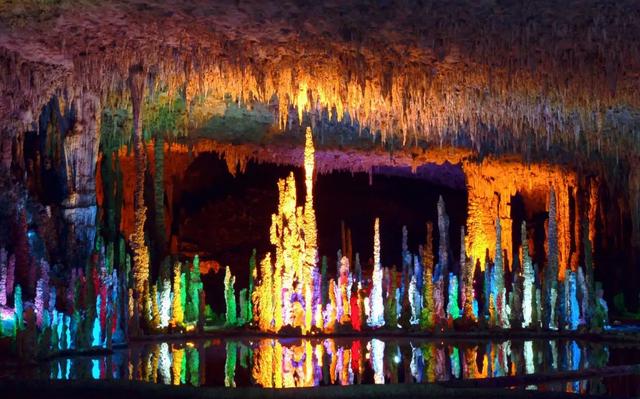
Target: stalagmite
{"x":376,"y":317}
{"x":497,"y":285}
{"x":344,"y":284}
{"x":442,"y":268}
{"x":428,"y":311}
{"x":453,"y":309}
{"x":391,"y":300}
{"x":574,"y":308}
{"x":177,"y":311}
{"x":165,"y":303}
{"x":551,"y":271}
{"x":263,"y":295}
{"x":467,"y":271}
{"x":253,"y":274}
{"x":194,"y":287}
{"x":230,"y":298}
{"x":141,"y":252}
{"x":155,"y":309}
{"x":528,"y":297}
{"x":415,"y":294}
{"x":11,"y":269}
{"x":3,"y":277}
{"x":18,"y":307}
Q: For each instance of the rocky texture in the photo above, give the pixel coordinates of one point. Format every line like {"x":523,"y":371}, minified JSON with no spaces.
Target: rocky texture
{"x":496,"y":76}
{"x":544,"y":79}
{"x":80,"y":155}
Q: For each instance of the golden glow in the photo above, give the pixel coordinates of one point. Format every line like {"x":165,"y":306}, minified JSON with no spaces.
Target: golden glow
{"x":177,"y":311}
{"x":293,"y":233}
{"x":263,"y":295}
{"x":492,"y":183}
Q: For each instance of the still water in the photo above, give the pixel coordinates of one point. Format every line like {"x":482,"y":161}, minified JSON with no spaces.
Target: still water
{"x":296,"y":362}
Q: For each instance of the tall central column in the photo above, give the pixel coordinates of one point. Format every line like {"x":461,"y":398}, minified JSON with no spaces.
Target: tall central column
{"x":140,"y":250}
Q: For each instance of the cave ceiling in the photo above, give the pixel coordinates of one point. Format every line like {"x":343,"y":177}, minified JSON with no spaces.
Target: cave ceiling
{"x":493,"y":76}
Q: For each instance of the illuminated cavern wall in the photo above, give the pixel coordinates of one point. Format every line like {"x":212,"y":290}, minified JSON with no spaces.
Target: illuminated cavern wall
{"x":490,"y":185}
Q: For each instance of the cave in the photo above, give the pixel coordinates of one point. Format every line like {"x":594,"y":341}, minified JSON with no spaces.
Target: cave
{"x":402,"y":198}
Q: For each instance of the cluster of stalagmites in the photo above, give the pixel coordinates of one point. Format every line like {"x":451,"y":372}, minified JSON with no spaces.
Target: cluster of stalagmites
{"x":292,"y":292}
{"x":427,"y":296}
{"x":92,"y":307}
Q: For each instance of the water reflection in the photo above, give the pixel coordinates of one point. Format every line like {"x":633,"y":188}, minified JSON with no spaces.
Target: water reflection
{"x":283,"y":363}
